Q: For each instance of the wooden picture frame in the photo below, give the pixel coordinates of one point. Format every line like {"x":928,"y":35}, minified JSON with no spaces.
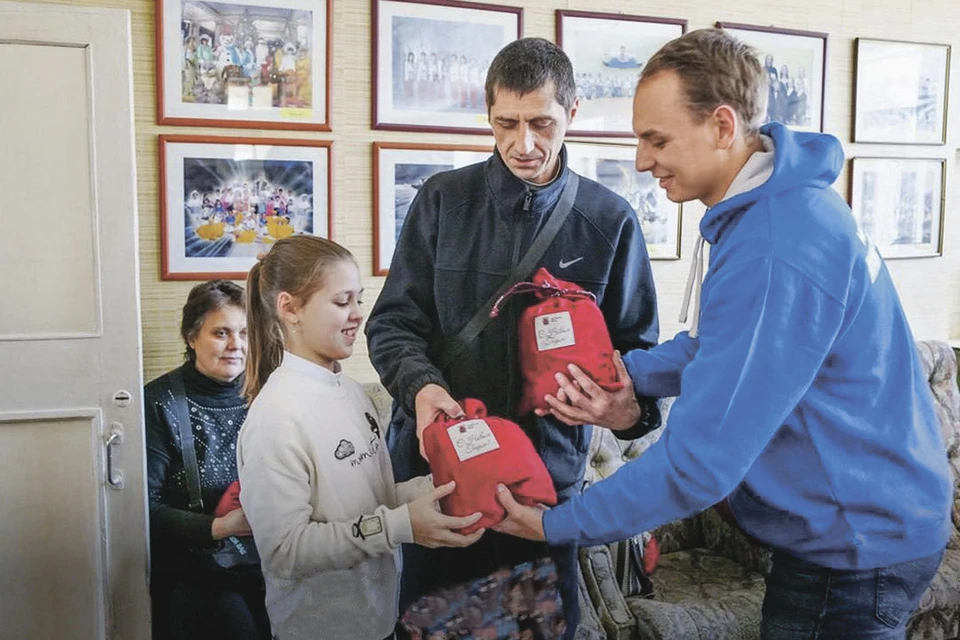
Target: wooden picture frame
{"x":223,"y":200}
{"x":899,"y":204}
{"x":430,"y":60}
{"x":399,"y":170}
{"x":614,"y":166}
{"x":261,"y":64}
{"x":795,"y":98}
{"x":607,"y":78}
{"x":901,"y":91}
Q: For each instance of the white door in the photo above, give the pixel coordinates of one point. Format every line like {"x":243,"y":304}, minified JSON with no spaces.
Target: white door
{"x":73,"y":548}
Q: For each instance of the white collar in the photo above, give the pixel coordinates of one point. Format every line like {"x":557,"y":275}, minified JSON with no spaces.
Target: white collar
{"x":312,"y":370}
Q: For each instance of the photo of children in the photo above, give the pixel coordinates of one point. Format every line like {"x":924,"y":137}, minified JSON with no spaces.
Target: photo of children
{"x":431,"y":59}
{"x":238,"y":208}
{"x":246,"y":57}
{"x":439,"y":65}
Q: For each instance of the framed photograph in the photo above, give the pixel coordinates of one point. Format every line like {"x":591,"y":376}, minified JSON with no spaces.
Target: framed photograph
{"x":899,"y":204}
{"x":613,"y":166}
{"x":224,"y":200}
{"x":430,"y":60}
{"x":261,"y":64}
{"x":608,"y":51}
{"x":796,"y":64}
{"x":399,"y":170}
{"x":901,"y":92}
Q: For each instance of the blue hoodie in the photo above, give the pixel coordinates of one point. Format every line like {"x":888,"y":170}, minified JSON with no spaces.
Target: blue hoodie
{"x":803,"y":397}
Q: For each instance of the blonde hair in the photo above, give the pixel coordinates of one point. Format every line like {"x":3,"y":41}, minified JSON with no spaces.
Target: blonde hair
{"x":296,"y":265}
{"x":715,"y":69}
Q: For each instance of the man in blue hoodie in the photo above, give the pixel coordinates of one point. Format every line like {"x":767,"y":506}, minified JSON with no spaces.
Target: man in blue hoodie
{"x":802,"y":400}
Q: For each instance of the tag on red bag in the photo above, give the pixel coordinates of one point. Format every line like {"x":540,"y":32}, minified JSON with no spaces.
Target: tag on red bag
{"x":564,"y":326}
{"x":480,"y":452}
{"x":472,"y":438}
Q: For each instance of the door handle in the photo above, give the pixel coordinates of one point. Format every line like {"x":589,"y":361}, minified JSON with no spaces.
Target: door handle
{"x":114,"y":478}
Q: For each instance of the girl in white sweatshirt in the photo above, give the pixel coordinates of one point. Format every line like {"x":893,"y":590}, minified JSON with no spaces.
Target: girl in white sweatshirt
{"x":317,"y":484}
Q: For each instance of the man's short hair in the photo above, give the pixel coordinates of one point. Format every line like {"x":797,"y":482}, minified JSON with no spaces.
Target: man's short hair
{"x":715,"y":69}
{"x":528,"y":64}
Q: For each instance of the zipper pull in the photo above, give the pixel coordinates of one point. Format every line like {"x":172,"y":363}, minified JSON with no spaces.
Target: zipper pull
{"x":527,"y":199}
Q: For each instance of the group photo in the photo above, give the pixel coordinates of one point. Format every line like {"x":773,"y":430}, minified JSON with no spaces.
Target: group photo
{"x":474,"y":320}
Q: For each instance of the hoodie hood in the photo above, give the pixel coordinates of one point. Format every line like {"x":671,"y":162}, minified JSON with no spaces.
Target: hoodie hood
{"x":802,"y":159}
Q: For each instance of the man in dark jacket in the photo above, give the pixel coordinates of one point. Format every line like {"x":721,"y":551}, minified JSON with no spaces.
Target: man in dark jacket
{"x":465,"y":230}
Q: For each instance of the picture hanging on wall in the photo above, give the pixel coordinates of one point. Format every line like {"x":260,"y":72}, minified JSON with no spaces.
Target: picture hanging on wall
{"x":608,"y":51}
{"x":430,"y":61}
{"x":796,"y":64}
{"x":399,"y":170}
{"x":613,"y":166}
{"x":898,"y":204}
{"x":224,"y":200}
{"x":901,"y":92}
{"x":261,"y":64}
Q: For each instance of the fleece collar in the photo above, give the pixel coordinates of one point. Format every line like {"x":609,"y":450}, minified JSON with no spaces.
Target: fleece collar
{"x":508,"y":192}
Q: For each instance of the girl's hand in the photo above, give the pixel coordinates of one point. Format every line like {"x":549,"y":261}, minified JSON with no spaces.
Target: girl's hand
{"x":433,"y":529}
{"x":232,"y":524}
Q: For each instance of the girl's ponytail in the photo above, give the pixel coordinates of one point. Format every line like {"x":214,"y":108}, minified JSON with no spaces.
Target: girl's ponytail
{"x":264,"y":339}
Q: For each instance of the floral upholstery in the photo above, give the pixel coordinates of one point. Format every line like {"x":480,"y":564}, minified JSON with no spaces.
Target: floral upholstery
{"x":709,"y":583}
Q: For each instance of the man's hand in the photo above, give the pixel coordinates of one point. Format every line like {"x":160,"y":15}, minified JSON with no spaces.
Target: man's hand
{"x":432,"y":401}
{"x":583,"y":401}
{"x":523,"y":522}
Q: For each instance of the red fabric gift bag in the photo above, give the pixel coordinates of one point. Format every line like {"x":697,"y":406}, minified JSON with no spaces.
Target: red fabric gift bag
{"x":229,"y":501}
{"x":480,"y":452}
{"x":564,"y":327}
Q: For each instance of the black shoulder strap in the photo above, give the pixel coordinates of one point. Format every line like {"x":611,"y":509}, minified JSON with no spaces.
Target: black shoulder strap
{"x":519,"y":272}
{"x":190,"y":467}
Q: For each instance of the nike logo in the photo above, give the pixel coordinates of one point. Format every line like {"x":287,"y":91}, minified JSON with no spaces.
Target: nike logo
{"x":566,"y":263}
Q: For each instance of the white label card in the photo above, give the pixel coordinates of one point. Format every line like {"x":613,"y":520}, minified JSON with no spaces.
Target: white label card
{"x":471,"y":438}
{"x":554,"y":330}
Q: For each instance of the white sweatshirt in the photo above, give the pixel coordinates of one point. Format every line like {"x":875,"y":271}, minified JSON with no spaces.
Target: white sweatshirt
{"x":318,"y":491}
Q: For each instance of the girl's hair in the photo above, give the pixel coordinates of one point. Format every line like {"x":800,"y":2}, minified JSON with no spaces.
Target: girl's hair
{"x":297,"y":265}
{"x":205,"y":298}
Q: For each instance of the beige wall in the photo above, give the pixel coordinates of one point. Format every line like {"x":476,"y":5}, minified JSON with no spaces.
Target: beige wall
{"x":930,"y":287}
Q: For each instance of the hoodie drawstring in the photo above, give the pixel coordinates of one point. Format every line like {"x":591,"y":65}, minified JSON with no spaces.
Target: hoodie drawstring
{"x":694,"y":280}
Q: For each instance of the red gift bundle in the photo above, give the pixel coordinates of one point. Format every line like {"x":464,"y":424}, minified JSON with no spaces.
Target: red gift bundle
{"x":480,"y":452}
{"x":564,"y":327}
{"x":229,"y":501}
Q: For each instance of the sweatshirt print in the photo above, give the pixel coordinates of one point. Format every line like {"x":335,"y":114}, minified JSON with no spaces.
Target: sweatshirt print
{"x":317,"y":488}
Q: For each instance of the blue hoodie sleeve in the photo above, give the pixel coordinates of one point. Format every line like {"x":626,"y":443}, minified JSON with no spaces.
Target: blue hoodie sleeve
{"x":765,"y":332}
{"x":656,"y":373}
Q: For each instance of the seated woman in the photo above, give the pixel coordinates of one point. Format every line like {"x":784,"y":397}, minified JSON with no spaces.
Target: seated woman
{"x":194,"y":596}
